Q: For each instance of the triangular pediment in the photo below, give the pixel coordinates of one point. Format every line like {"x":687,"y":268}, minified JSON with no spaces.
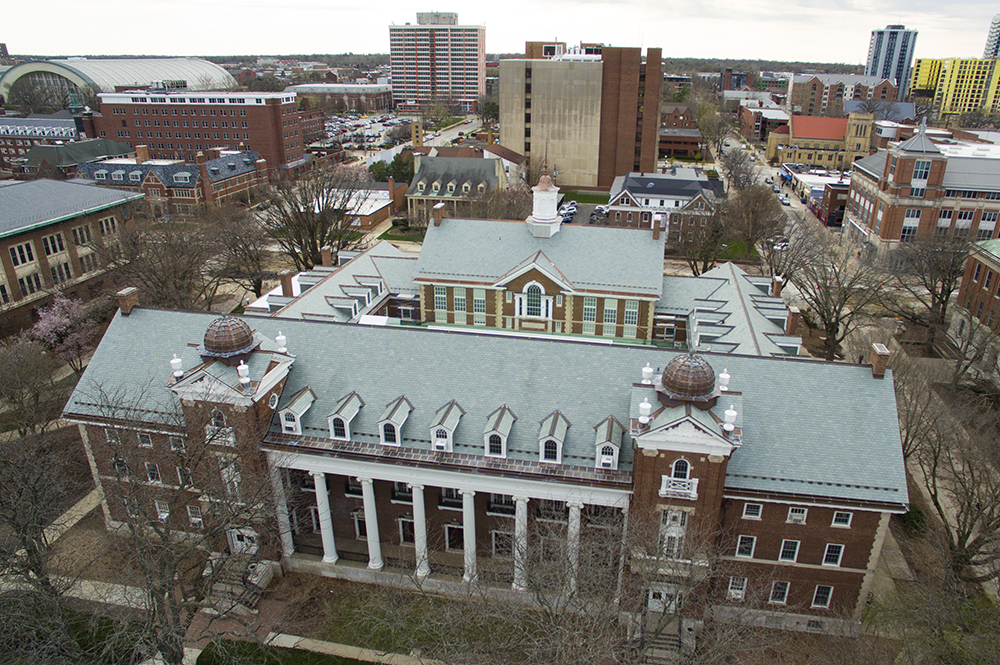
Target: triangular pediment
{"x":685,"y":434}
{"x":540,"y":262}
{"x":203,"y":387}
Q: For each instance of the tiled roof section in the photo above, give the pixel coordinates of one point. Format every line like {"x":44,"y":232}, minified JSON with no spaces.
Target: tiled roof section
{"x":676,"y":183}
{"x":505,"y":153}
{"x":817,"y":127}
{"x":26,"y":205}
{"x":54,"y":128}
{"x":477,"y":251}
{"x":896,"y":110}
{"x":77,"y":152}
{"x":781,"y":130}
{"x":873,"y":165}
{"x":828,"y":429}
{"x":229,"y":165}
{"x":919,"y":143}
{"x":833,"y":79}
{"x":457,"y":171}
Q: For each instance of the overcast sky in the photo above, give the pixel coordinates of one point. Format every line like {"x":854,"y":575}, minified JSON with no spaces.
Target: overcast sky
{"x":807,"y":30}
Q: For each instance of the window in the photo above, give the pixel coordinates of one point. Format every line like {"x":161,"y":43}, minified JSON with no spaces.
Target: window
{"x":779,"y":593}
{"x":607,"y":457}
{"x":230,"y":475}
{"x":821,"y":597}
{"x":184,"y":476}
{"x":832,"y":555}
{"x":503,"y":544}
{"x":589,"y":314}
{"x":501,"y":504}
{"x":797,"y":515}
{"x":81,"y":235}
{"x":152,"y":472}
{"x":21,"y":254}
{"x":389,"y":435}
{"x":120,"y":466}
{"x":339,"y":429}
{"x":407,"y":534}
{"x":360,"y":527}
{"x":177,"y":443}
{"x":495,"y":446}
{"x":194,"y":517}
{"x":745,"y":546}
{"x":673,"y":529}
{"x":921,"y":169}
{"x":112,"y":437}
{"x":459,"y":297}
{"x":479,"y":306}
{"x":681,"y":468}
{"x":108,"y":225}
{"x":60,"y":272}
{"x":29,"y":283}
{"x":534,"y":301}
{"x":631,"y":319}
{"x":911,"y":221}
{"x":610,"y":316}
{"x":131,"y":507}
{"x":53,"y":244}
{"x":976,"y":272}
{"x":553,"y":511}
{"x":737,"y":588}
{"x":353,"y":487}
{"x":440,"y":439}
{"x":789,"y":550}
{"x":917,"y":192}
{"x":145,"y":440}
{"x":88,"y":263}
{"x":454,"y":537}
{"x":752,"y":511}
{"x":441,"y":298}
{"x":289,"y":422}
{"x":841,"y":519}
{"x":550,"y":451}
{"x":162,"y":510}
{"x":402,"y":492}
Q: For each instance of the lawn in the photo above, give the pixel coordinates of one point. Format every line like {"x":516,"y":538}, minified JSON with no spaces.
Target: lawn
{"x":581,"y":197}
{"x":416,"y":236}
{"x":251,"y":653}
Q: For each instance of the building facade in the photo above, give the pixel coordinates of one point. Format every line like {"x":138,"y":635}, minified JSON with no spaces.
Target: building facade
{"x":584,"y":117}
{"x":890,"y":56}
{"x":48,"y":229}
{"x":992,"y":49}
{"x":437,"y":60}
{"x":825,"y":94}
{"x":19,"y":135}
{"x":917,"y":189}
{"x":362,"y":98}
{"x":958,"y":85}
{"x":832,"y":143}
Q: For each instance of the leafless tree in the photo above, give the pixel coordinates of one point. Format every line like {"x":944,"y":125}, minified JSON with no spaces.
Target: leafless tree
{"x":306,"y":215}
{"x":741,"y":172}
{"x":28,"y":394}
{"x":708,"y":240}
{"x":754,"y":215}
{"x":245,"y":247}
{"x":29,"y":96}
{"x":714,"y":127}
{"x":975,"y":344}
{"x":920,"y":279}
{"x":512,"y":203}
{"x":838,"y":289}
{"x":880,"y":109}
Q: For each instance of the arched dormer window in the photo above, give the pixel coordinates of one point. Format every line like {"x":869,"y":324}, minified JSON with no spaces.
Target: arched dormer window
{"x":340,"y":420}
{"x":389,"y":434}
{"x":338,"y":428}
{"x":681,"y":469}
{"x":533,"y":302}
{"x":550,"y":451}
{"x":218,"y":418}
{"x":495,"y":446}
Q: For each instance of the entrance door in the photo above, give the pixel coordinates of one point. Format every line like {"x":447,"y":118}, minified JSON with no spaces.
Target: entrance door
{"x":662,"y":598}
{"x":243,"y":541}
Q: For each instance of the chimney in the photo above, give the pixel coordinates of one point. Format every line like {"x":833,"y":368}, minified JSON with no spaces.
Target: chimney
{"x":127,"y":299}
{"x":879,"y":360}
{"x":286,"y":283}
{"x":141,"y":154}
{"x":438,"y":213}
{"x":777,"y":283}
{"x":792,"y":320}
{"x":326,"y":256}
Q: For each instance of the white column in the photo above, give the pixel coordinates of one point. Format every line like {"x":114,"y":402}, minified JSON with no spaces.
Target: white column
{"x":573,"y":546}
{"x":420,"y":531}
{"x":520,"y":543}
{"x":281,"y":506}
{"x":371,"y":525}
{"x":469,"y":534}
{"x":325,"y":521}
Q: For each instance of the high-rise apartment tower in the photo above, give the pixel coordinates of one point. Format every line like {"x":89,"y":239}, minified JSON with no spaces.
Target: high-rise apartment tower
{"x":890,"y":55}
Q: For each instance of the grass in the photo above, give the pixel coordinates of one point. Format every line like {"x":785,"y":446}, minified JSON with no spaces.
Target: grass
{"x":251,"y":653}
{"x":446,"y":123}
{"x":572,"y":195}
{"x":416,"y":236}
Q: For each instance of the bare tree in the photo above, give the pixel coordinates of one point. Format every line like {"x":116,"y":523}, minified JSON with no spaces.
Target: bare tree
{"x":708,"y":240}
{"x":975,"y":344}
{"x":28,"y":393}
{"x":714,"y":128}
{"x":921,"y":277}
{"x":838,"y":288}
{"x":741,"y":172}
{"x":511,"y":203}
{"x":754,"y":215}
{"x":29,"y":96}
{"x":880,"y":109}
{"x":306,"y":215}
{"x":245,"y":247}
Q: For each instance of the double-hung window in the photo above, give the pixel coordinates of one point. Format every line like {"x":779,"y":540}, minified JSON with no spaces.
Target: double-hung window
{"x":833,"y":554}
{"x":822,"y":595}
{"x":459,"y":297}
{"x":479,"y":306}
{"x":779,"y":593}
{"x":610,"y":317}
{"x":440,"y":298}
{"x":745,"y":546}
{"x":789,"y":551}
{"x":631,"y":320}
{"x":589,"y":314}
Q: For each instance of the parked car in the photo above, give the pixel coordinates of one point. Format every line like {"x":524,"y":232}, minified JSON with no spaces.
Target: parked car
{"x":769,"y":181}
{"x":785,"y":201}
{"x":775,"y":188}
{"x":602,"y":210}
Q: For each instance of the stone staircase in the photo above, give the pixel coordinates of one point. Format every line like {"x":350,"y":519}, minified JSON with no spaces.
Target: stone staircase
{"x":237,"y":583}
{"x":665,"y":649}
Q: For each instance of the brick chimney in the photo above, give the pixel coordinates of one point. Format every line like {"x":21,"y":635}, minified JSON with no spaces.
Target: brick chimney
{"x":879,"y":360}
{"x":326,"y":256}
{"x":777,"y":284}
{"x":438,"y":213}
{"x":792,"y":320}
{"x":128,"y":298}
{"x":141,"y":154}
{"x":286,"y":283}
{"x":392,"y":194}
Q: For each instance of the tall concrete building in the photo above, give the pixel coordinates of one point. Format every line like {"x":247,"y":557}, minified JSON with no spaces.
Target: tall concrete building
{"x":437,"y":59}
{"x":890,"y":55}
{"x":580,"y":114}
{"x":958,"y":85}
{"x":992,"y":49}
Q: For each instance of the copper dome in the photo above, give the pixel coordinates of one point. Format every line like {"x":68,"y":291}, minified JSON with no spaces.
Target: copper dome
{"x":689,"y":377}
{"x":228,"y":336}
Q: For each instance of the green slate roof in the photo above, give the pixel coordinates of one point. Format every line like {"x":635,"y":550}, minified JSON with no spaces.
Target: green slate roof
{"x":808,"y":427}
{"x":37,"y":203}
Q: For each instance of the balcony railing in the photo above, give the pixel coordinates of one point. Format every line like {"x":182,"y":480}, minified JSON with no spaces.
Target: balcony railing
{"x":682,"y":488}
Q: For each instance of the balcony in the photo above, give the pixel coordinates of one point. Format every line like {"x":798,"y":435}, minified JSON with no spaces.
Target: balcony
{"x":679,"y":488}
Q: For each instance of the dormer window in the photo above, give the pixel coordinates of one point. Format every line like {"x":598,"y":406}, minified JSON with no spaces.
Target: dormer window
{"x":443,"y":426}
{"x":436,"y":187}
{"x":551,"y":437}
{"x":466,"y":188}
{"x":182,"y":178}
{"x":291,"y":415}
{"x":551,"y":451}
{"x":392,"y":420}
{"x":420,"y":187}
{"x":389,"y":435}
{"x":340,"y":420}
{"x":451,"y":188}
{"x":497,"y":430}
{"x":441,"y":439}
{"x":608,"y":443}
{"x":289,"y":423}
{"x":606,"y":459}
{"x":481,"y":187}
{"x":135,"y":176}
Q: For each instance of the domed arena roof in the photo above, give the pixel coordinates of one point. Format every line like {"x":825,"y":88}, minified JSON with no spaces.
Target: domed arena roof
{"x":227,"y":337}
{"x":689,"y":378}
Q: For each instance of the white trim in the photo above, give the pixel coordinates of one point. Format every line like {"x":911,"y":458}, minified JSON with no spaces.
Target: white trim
{"x":840,"y":555}
{"x":836,"y":506}
{"x":753,"y":546}
{"x":833,"y":520}
{"x":797,"y":519}
{"x":760,"y":512}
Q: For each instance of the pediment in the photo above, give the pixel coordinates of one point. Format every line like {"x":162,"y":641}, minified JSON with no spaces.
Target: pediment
{"x":685,"y":435}
{"x":203,"y":387}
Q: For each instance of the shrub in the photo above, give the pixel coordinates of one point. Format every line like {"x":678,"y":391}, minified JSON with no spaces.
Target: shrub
{"x":913,"y":521}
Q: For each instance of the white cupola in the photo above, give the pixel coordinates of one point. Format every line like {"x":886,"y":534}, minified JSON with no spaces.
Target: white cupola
{"x":544,"y":221}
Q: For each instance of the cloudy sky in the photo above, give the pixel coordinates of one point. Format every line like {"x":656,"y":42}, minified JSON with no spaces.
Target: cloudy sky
{"x":809,"y":30}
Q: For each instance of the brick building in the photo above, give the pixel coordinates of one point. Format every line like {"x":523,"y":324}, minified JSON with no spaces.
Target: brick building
{"x":919,"y":189}
{"x":975,"y":320}
{"x":682,"y":199}
{"x":825,"y":94}
{"x":832,"y":143}
{"x":757,"y":119}
{"x":60,"y":161}
{"x":584,"y":116}
{"x":679,"y":133}
{"x":173,"y":186}
{"x":361,"y":98}
{"x":19,"y":135}
{"x":47,"y":231}
{"x":178,"y":124}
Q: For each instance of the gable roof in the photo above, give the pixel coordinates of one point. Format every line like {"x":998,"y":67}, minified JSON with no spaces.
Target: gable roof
{"x":676,"y":183}
{"x":818,"y":127}
{"x":34,"y":203}
{"x":457,"y":170}
{"x":77,"y":152}
{"x":230,"y":165}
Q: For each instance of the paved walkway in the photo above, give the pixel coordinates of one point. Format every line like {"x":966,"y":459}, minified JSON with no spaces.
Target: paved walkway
{"x":346,"y":651}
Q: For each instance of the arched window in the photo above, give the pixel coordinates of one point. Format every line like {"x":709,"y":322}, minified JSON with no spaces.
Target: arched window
{"x":389,"y":433}
{"x":496,"y":445}
{"x":441,"y":434}
{"x":681,"y":468}
{"x":551,"y":451}
{"x":534,"y":300}
{"x":218,"y":419}
{"x":339,"y":429}
{"x":608,"y":451}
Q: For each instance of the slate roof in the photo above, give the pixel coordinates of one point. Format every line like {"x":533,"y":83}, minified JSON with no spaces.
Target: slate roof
{"x":48,"y":127}
{"x":809,"y":427}
{"x":457,"y":170}
{"x":77,"y":152}
{"x":919,"y":143}
{"x":589,"y":257}
{"x":873,"y":165}
{"x":683,"y":183}
{"x":991,"y":247}
{"x":231,"y":164}
{"x":36,"y":203}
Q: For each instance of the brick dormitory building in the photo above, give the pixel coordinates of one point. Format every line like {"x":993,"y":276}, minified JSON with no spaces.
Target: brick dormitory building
{"x":395,"y":449}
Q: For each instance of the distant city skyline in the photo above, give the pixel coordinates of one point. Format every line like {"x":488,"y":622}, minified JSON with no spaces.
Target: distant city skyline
{"x":794,"y":30}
